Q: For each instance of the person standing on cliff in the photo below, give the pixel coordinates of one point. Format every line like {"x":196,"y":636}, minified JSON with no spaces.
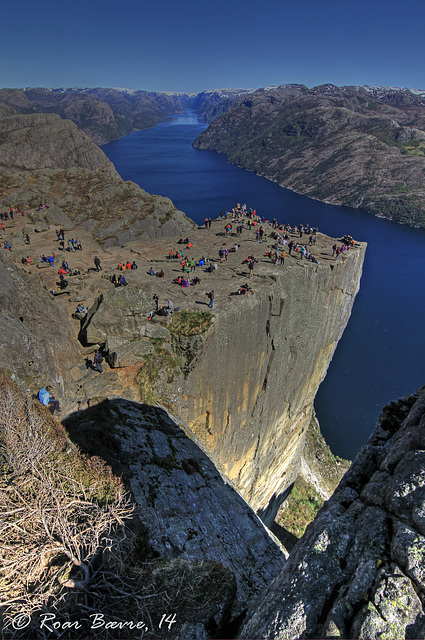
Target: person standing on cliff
{"x":97,"y":264}
{"x":211,"y":297}
{"x":97,"y":360}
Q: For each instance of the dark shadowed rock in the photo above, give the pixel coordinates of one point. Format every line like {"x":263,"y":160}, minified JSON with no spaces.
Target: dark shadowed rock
{"x":189,"y":511}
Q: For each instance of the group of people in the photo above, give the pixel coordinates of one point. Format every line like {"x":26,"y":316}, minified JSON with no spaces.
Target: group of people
{"x":119,"y":281}
{"x":11,"y":213}
{"x":161,"y":310}
{"x":185,"y":281}
{"x":123,"y":266}
{"x":158,"y":274}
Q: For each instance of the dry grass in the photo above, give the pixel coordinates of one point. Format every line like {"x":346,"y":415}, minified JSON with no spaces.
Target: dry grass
{"x":67,"y":549}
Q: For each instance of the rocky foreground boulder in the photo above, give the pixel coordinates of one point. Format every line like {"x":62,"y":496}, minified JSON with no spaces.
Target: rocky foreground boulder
{"x":359,"y":571}
{"x":189,"y":511}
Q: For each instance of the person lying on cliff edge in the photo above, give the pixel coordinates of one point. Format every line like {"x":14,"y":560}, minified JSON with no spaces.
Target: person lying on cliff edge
{"x":46,"y":397}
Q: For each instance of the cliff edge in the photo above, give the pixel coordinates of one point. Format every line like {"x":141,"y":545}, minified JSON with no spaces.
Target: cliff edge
{"x":244,"y":375}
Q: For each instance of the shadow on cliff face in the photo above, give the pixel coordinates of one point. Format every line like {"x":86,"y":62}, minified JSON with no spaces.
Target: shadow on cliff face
{"x":187,"y":514}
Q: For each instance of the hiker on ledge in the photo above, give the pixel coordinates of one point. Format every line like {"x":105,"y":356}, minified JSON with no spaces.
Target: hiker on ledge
{"x":97,"y":361}
{"x":97,"y":264}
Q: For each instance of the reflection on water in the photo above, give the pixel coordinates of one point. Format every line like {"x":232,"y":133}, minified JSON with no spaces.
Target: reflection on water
{"x":186,"y":118}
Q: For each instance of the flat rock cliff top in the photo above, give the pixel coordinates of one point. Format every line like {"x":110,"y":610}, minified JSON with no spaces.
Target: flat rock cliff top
{"x":241,"y":372}
{"x":227,"y":279}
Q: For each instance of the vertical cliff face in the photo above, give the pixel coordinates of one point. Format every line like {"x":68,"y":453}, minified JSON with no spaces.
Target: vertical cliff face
{"x":246,"y":382}
{"x":249,"y":390}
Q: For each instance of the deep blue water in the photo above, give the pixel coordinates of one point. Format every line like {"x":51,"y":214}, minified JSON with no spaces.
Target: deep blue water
{"x":380,"y":356}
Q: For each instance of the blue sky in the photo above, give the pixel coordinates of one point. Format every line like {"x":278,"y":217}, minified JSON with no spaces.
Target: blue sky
{"x":189,"y":46}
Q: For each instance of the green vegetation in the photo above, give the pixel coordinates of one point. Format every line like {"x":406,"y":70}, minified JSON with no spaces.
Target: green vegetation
{"x":300,"y":508}
{"x":191,"y":323}
{"x":411,"y":147}
{"x":158,"y":366}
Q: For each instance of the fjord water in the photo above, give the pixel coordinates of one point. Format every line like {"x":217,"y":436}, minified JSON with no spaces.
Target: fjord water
{"x":381,"y":354}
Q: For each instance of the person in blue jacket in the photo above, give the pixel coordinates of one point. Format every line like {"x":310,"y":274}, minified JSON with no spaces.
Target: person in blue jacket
{"x":46,"y":397}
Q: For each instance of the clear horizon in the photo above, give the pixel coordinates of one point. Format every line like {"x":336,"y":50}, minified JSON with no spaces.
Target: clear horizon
{"x":190,"y":48}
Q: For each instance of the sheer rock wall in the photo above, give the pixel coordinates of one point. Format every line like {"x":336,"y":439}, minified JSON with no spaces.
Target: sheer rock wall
{"x":249,"y":389}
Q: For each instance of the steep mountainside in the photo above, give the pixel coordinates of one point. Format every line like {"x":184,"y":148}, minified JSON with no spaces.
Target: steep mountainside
{"x":103,"y":114}
{"x":211,"y":104}
{"x":358,"y":572}
{"x":357,"y":146}
{"x":108,"y":114}
{"x":44,"y":141}
{"x":46,"y":159}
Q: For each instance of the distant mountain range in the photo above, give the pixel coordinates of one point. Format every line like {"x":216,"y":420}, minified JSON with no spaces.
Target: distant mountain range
{"x":108,"y":114}
{"x":362,"y":147}
{"x":358,"y":146}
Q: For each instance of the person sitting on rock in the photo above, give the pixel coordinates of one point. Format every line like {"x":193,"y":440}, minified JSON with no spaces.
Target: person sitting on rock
{"x":151,"y":272}
{"x":46,"y":397}
{"x":122,"y":282}
{"x":134,"y":265}
{"x":160,"y":274}
{"x":128,"y":265}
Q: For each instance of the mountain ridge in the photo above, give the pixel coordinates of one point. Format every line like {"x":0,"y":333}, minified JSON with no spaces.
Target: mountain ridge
{"x":343,"y":145}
